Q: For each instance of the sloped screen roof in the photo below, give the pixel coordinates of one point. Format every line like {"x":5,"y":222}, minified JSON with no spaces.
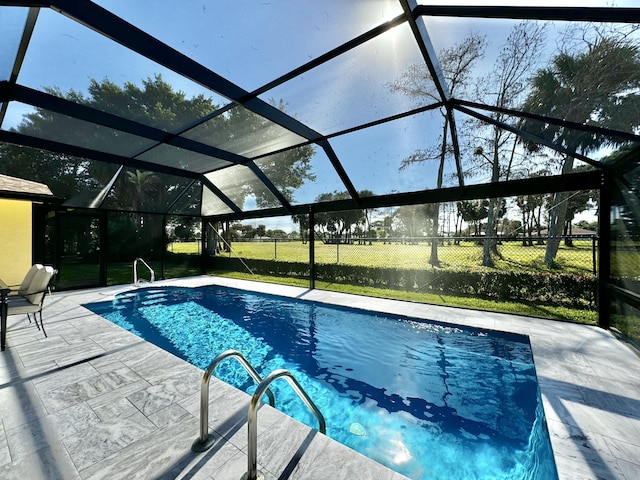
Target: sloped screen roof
{"x":243,"y":108}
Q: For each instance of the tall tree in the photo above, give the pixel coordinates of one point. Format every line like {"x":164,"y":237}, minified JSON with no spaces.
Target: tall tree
{"x":303,"y":225}
{"x":411,"y":220}
{"x":597,"y":85}
{"x":576,"y":203}
{"x":531,"y":207}
{"x":473,"y":212}
{"x":528,"y":205}
{"x":495,"y":149}
{"x":457,"y":64}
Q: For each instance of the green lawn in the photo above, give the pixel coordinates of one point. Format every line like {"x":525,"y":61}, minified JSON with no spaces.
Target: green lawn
{"x":184,"y":247}
{"x":512,"y":255}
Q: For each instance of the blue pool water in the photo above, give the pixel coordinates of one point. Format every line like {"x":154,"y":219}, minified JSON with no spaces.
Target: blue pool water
{"x":429,"y":400}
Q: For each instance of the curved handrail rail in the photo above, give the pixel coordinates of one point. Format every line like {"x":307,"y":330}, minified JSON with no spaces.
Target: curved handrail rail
{"x":135,"y":270}
{"x":252,"y":448}
{"x":205,"y":440}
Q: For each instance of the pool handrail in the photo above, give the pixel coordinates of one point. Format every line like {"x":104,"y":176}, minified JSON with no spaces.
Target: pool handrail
{"x":252,"y":423}
{"x":135,"y":271}
{"x":205,"y":441}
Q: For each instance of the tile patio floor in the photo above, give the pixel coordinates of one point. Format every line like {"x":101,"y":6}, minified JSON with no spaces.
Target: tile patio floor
{"x":93,"y":401}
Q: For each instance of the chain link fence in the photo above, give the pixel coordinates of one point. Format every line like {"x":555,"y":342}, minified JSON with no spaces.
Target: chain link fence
{"x":576,"y":254}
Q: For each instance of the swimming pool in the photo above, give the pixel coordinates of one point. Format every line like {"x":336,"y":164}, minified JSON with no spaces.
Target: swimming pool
{"x":427,"y":399}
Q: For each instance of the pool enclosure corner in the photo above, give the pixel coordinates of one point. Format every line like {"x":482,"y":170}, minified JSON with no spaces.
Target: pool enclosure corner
{"x":401,"y":145}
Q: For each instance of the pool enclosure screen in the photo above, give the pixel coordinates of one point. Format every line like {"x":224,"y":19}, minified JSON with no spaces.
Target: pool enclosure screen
{"x":150,"y":116}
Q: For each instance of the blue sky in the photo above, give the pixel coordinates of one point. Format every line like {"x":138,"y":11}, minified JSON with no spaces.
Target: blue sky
{"x":240,"y":40}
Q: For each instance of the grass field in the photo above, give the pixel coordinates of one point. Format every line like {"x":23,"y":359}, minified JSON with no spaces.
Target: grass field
{"x":576,"y":259}
{"x":512,"y":255}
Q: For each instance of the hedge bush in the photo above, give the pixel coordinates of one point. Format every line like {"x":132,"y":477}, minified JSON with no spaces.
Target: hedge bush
{"x":571,"y":290}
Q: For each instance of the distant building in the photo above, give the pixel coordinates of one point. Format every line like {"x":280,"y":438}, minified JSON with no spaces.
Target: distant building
{"x":575,"y":231}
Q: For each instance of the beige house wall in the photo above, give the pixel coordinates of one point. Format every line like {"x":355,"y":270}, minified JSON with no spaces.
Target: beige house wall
{"x":15,"y":240}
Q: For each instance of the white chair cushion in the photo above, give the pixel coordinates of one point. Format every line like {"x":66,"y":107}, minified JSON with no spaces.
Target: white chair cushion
{"x":18,"y":306}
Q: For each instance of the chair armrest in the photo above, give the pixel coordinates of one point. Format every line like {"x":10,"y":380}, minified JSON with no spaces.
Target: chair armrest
{"x":31,"y":294}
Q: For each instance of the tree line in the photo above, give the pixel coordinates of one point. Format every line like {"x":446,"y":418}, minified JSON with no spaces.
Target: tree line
{"x":84,"y":182}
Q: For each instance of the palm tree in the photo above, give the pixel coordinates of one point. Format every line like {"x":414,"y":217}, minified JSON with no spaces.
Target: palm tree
{"x":146,"y":188}
{"x":597,"y":87}
{"x":143,"y":194}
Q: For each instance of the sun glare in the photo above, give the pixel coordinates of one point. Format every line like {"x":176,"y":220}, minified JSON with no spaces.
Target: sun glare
{"x":390,"y":10}
{"x":538,"y":3}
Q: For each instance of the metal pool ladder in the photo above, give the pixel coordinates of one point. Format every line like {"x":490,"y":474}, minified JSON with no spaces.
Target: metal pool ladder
{"x":205,"y":440}
{"x":135,"y":271}
{"x":252,"y":450}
